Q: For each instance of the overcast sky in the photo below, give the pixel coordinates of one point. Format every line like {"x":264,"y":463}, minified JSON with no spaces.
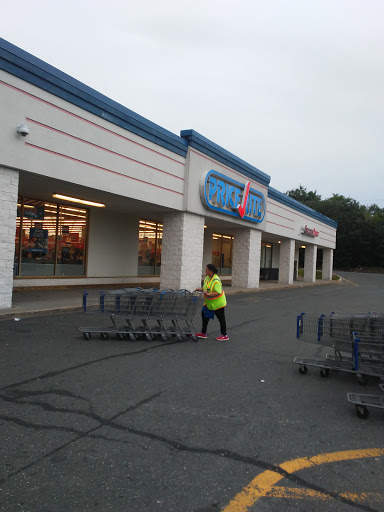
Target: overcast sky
{"x":293,"y":87}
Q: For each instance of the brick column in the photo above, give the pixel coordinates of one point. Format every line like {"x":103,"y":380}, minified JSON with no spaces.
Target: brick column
{"x":246,"y":258}
{"x":182,"y":251}
{"x":310,"y":263}
{"x":9,"y":185}
{"x":286,"y":262}
{"x":327,"y":264}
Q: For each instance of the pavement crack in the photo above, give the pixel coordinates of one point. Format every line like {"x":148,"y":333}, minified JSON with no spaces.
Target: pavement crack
{"x":109,"y":422}
{"x":50,"y":375}
{"x":60,"y":428}
{"x":176,"y":445}
{"x":67,"y":410}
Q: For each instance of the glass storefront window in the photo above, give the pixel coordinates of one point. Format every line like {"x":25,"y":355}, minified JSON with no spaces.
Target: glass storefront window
{"x":222,"y":247}
{"x":38,"y":238}
{"x":266,"y":256}
{"x":72,"y":230}
{"x":43,"y":231}
{"x":150,"y":244}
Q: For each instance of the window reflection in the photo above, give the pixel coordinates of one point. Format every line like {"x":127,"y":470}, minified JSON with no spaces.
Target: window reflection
{"x":72,"y":226}
{"x":150,"y":244}
{"x":36,"y":225}
{"x":45,"y":233}
{"x":222,"y":250}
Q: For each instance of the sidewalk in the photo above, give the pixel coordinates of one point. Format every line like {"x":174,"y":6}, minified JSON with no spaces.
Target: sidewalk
{"x":38,"y":302}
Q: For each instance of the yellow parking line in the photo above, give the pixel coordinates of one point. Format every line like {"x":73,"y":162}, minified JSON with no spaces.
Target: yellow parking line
{"x":262,"y":484}
{"x":298,"y":493}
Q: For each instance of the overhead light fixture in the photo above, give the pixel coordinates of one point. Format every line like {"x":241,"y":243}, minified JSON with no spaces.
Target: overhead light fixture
{"x":76,"y":200}
{"x":303,"y":246}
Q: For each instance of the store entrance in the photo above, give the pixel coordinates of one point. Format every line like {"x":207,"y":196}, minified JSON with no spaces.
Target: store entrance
{"x":222,"y":251}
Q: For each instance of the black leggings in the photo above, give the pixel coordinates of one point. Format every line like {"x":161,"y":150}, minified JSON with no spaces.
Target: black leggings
{"x":220,"y":314}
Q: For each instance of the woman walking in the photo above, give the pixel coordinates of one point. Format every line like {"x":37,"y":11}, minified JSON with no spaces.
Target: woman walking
{"x":214,"y":303}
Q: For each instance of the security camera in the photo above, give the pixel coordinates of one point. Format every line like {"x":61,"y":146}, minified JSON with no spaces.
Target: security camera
{"x":23,"y":130}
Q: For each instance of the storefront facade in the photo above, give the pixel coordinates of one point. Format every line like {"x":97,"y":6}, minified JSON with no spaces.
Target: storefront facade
{"x":96,"y":194}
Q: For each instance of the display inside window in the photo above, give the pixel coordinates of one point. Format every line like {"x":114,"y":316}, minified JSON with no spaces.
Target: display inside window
{"x":150,"y":244}
{"x":72,"y":229}
{"x":48,"y":238}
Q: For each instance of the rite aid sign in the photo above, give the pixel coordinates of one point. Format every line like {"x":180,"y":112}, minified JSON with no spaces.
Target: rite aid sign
{"x":228,"y":196}
{"x":308,"y":231}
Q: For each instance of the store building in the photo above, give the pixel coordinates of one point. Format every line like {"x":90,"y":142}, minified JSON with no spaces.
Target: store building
{"x":93,"y":194}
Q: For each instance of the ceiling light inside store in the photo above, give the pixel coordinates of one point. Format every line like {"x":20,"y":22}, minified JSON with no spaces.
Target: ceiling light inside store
{"x":76,"y":200}
{"x":26,"y":205}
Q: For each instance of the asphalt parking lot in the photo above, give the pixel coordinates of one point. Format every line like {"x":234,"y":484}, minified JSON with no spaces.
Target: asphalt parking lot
{"x":181,"y":426}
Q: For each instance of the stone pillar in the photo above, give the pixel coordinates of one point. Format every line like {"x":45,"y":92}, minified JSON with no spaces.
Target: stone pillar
{"x":182,"y":251}
{"x":286,"y":262}
{"x":310,"y":263}
{"x":327,"y":264}
{"x":9,"y":186}
{"x":246,"y":258}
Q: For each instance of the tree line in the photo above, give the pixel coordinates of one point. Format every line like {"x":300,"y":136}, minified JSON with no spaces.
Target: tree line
{"x":360,"y":232}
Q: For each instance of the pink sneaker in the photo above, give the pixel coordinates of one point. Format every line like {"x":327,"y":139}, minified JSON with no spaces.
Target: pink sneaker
{"x":201,"y":335}
{"x":223,"y":338}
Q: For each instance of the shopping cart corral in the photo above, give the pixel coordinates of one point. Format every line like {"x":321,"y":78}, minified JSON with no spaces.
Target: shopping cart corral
{"x":357,"y":341}
{"x":138,"y":313}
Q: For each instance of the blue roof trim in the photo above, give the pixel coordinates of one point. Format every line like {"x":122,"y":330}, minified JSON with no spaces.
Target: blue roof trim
{"x":197,"y":141}
{"x":296,"y":205}
{"x":37,"y":72}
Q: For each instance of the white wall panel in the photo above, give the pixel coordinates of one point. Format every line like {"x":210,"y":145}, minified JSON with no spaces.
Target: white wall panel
{"x":287,"y":222}
{"x":68,"y":143}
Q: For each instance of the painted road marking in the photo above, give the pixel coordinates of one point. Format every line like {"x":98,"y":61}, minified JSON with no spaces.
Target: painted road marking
{"x":298,"y":493}
{"x":263,"y":484}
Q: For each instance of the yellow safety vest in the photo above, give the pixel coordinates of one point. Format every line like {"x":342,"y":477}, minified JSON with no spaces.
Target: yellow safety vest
{"x":213,"y":284}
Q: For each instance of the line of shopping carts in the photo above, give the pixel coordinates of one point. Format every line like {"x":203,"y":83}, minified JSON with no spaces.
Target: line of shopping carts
{"x":143,"y":313}
{"x":358,"y":348}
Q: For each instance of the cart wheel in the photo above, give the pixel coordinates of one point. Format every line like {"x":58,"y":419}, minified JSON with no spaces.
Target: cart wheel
{"x":87,"y":335}
{"x":120,"y":335}
{"x":104,"y":335}
{"x":324,"y":372}
{"x":303,"y":369}
{"x":362,"y":411}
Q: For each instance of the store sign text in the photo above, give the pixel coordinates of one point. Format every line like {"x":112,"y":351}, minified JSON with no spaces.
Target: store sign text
{"x":228,"y":196}
{"x":308,"y":231}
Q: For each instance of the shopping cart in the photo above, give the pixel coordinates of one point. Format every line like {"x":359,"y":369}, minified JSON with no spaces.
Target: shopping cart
{"x":362,"y":402}
{"x":357,"y":341}
{"x":143,"y":313}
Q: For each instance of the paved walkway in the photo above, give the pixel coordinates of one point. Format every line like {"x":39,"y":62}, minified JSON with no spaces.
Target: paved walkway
{"x":33,"y":302}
